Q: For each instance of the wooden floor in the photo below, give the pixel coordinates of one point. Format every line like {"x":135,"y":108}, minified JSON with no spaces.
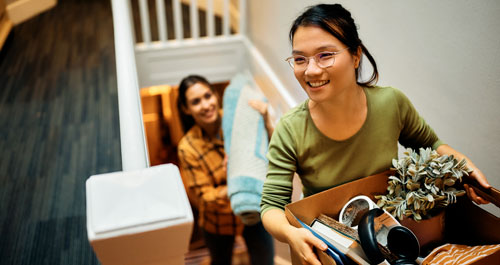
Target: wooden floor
{"x":58,"y":126}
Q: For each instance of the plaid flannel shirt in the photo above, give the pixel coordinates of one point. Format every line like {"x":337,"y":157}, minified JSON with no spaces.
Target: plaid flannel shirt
{"x":201,"y":161}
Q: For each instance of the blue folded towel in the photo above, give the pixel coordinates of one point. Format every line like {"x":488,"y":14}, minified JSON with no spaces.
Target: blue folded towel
{"x":245,"y":143}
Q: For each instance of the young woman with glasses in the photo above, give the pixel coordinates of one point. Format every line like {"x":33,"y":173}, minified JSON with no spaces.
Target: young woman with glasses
{"x":345,"y":130}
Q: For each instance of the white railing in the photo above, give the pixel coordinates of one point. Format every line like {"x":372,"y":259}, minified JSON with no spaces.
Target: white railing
{"x":132,"y":137}
{"x":162,"y":20}
{"x":178,"y":28}
{"x":225,"y":8}
{"x":210,"y":19}
{"x":167,"y":61}
{"x":193,"y":11}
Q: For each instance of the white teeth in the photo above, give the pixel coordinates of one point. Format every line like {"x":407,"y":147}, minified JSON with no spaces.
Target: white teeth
{"x":318,"y":83}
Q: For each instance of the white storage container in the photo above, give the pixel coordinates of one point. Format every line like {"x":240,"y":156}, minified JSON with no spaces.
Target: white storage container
{"x":139,"y":217}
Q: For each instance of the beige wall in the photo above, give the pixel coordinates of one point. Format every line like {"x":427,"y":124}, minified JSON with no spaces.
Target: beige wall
{"x":22,"y":10}
{"x":445,"y":55}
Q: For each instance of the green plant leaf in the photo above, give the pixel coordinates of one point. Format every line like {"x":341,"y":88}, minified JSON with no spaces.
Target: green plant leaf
{"x":449,"y":182}
{"x":423,"y":181}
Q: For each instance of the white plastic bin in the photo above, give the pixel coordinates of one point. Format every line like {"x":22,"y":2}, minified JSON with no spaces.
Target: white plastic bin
{"x":139,"y":217}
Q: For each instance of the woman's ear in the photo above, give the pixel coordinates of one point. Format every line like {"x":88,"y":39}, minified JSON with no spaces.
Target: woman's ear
{"x":357,"y":57}
{"x":185,"y":110}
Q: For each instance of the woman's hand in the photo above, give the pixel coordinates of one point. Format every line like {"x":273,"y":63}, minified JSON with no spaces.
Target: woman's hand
{"x":262,"y":107}
{"x":476,"y":173}
{"x":481,"y":179}
{"x":302,"y":242}
{"x":300,"y":239}
{"x":222,"y":193}
{"x":259,"y":106}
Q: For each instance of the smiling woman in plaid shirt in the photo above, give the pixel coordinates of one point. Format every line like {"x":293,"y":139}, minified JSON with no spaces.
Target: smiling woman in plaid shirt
{"x":203,"y":166}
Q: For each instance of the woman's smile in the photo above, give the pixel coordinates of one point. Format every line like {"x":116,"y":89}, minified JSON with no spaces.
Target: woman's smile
{"x":315,"y":85}
{"x":210,"y":113}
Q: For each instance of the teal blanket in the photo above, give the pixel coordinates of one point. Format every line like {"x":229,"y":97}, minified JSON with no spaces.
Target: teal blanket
{"x":245,"y":143}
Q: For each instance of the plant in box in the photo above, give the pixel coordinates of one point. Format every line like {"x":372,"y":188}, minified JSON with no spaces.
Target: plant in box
{"x":423,"y":184}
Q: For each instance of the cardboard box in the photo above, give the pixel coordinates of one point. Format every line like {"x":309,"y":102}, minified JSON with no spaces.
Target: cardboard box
{"x":462,"y":223}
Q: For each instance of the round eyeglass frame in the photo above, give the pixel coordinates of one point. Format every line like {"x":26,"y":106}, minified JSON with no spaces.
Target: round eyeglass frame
{"x":290,"y":61}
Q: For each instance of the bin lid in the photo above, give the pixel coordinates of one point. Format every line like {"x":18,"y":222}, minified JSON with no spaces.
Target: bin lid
{"x":126,"y":199}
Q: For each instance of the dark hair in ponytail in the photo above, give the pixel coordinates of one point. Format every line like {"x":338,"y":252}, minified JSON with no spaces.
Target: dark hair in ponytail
{"x":337,"y":21}
{"x":187,"y":120}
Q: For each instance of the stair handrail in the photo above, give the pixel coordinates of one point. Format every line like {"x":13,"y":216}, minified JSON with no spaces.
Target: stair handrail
{"x":132,"y":137}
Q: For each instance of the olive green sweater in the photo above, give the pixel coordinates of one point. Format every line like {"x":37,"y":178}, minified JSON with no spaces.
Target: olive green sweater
{"x":322,"y":163}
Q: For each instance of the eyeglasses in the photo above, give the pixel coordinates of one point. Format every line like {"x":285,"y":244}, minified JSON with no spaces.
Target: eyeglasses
{"x":322,"y":59}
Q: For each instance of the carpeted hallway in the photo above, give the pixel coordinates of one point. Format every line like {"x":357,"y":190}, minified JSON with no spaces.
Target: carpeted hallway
{"x":59,"y":125}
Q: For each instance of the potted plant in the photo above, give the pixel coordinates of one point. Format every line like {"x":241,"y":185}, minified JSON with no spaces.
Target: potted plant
{"x":423,"y":184}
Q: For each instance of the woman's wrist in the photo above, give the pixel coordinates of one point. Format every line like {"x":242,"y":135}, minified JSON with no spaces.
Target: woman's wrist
{"x":288,"y":231}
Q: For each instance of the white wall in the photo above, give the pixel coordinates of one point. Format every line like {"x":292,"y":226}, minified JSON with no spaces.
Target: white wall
{"x":445,"y":55}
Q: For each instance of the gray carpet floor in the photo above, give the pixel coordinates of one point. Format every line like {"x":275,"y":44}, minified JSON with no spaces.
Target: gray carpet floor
{"x":58,"y":126}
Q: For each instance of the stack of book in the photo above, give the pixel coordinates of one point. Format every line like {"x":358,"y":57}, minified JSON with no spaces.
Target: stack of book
{"x":344,"y":238}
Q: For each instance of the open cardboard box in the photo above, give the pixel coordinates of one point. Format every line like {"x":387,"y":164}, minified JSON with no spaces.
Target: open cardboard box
{"x":462,"y":223}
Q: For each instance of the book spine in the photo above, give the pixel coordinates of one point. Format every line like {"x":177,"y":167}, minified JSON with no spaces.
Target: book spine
{"x":339,"y":257}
